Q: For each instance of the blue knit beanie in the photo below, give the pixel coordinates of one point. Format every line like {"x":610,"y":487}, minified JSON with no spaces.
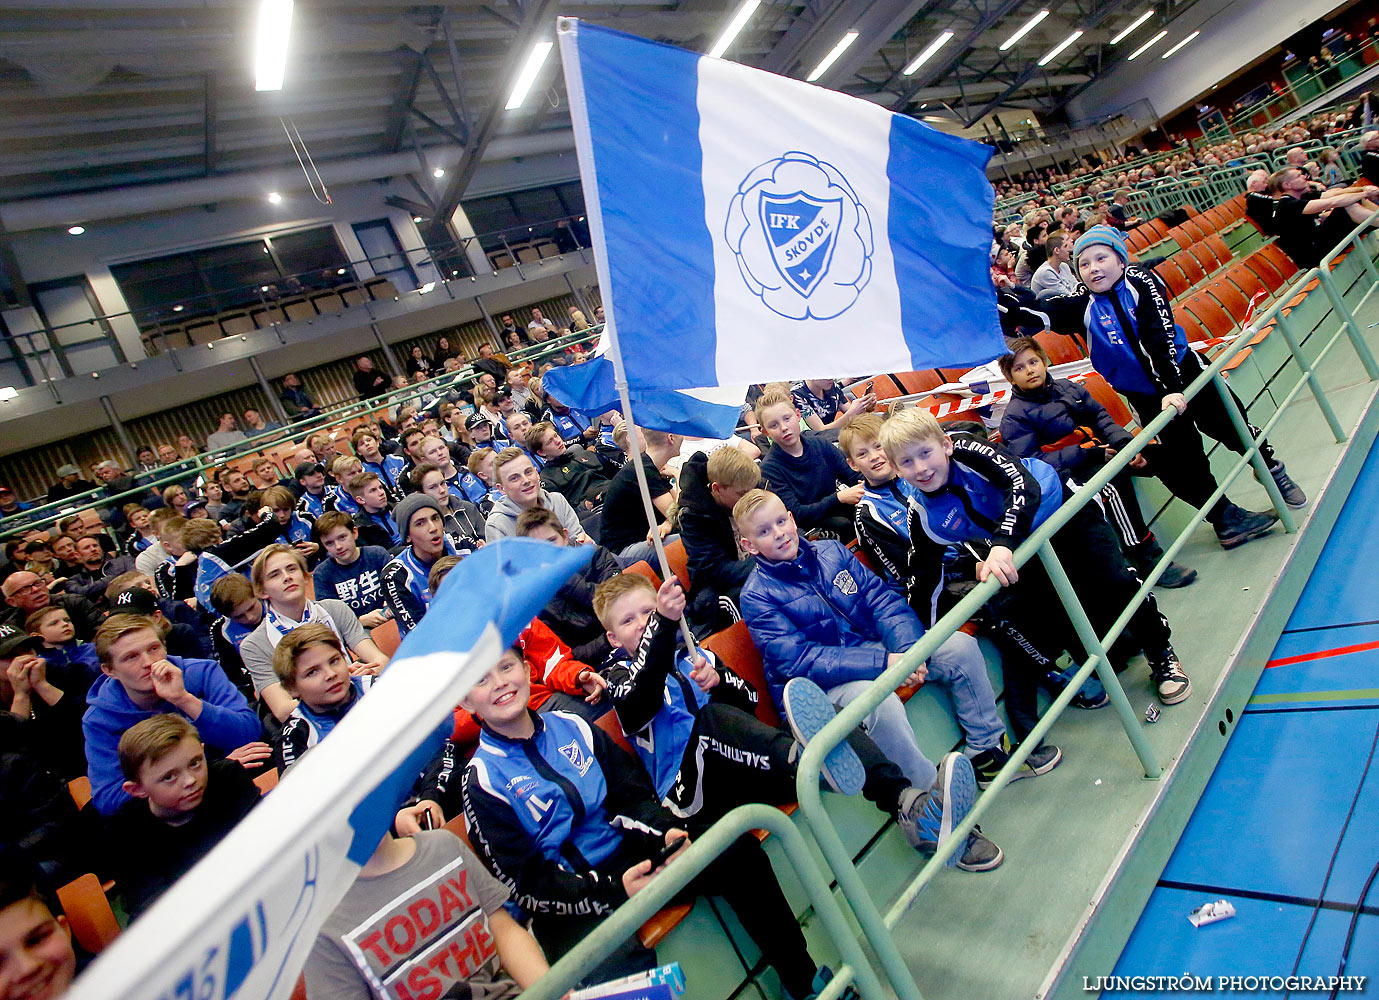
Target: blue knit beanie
{"x":1107,"y":235}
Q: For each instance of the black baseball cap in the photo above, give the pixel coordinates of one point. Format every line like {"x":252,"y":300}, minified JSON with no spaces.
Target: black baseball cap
{"x":137,"y":600}
{"x":14,"y":640}
{"x":307,"y":468}
{"x":474,"y":420}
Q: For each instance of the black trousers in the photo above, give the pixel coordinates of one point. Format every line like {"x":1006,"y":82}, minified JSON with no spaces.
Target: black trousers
{"x":743,"y":876}
{"x":1103,"y":582}
{"x":733,"y":758}
{"x":1181,"y":461}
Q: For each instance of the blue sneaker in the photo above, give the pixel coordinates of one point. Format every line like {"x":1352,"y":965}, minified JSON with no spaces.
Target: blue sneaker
{"x":807,"y":710}
{"x":822,"y":978}
{"x":927,"y":818}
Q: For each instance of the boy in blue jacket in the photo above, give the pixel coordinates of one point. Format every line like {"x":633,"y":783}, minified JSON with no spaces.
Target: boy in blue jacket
{"x":815,"y":611}
{"x":1060,"y":422}
{"x":1125,"y":313}
{"x":140,"y":680}
{"x":692,"y":721}
{"x":977,"y":495}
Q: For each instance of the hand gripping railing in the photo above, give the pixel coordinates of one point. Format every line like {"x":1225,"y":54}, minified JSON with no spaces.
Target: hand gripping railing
{"x":874,"y":925}
{"x":625,"y":920}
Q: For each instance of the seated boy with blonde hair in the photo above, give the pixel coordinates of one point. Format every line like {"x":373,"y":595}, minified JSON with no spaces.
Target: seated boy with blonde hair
{"x":709,"y":486}
{"x":181,"y":804}
{"x":814,"y":611}
{"x":977,"y":495}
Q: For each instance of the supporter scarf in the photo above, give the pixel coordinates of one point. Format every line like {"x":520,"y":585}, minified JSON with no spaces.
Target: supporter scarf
{"x":277,"y":625}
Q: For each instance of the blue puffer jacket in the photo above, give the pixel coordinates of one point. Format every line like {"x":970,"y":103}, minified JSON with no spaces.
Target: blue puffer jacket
{"x":824,"y":616}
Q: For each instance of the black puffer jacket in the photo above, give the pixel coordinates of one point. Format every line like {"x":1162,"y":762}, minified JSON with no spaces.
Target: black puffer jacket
{"x":706,"y":528}
{"x":570,"y":613}
{"x":1050,"y":414}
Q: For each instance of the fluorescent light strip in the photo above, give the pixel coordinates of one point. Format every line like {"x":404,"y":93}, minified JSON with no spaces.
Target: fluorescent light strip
{"x":1180,"y":45}
{"x":539,"y":52}
{"x":730,"y":33}
{"x":1145,"y":47}
{"x":1133,"y":25}
{"x":1025,"y":30}
{"x":828,"y":60}
{"x":270,"y":45}
{"x":940,"y":40}
{"x":1052,"y":54}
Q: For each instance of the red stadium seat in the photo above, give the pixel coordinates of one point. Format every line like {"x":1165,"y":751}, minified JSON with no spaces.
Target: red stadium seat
{"x":1208,"y":312}
{"x":1061,"y":350}
{"x":1102,"y":392}
{"x":1173,"y":277}
{"x":1192,"y":270}
{"x":1232,"y":299}
{"x":734,"y":644}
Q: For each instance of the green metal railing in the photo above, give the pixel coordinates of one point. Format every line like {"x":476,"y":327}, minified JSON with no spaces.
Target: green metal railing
{"x":49,"y":514}
{"x":876,"y":927}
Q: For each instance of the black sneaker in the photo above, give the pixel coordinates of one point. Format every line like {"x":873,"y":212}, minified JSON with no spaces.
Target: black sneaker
{"x":980,"y":854}
{"x":1293,"y":495}
{"x":988,"y":763}
{"x":1238,"y":526}
{"x":1176,"y":575}
{"x":1170,"y":681}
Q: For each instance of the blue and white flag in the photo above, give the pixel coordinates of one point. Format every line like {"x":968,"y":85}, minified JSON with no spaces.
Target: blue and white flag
{"x":241,"y":923}
{"x":751,"y":228}
{"x":590,"y":390}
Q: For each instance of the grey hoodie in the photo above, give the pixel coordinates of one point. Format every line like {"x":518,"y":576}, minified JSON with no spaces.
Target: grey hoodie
{"x":502,"y":521}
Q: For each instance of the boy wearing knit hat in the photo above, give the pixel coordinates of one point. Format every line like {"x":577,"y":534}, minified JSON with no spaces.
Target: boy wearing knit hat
{"x":1124,"y":311}
{"x":420,"y":522}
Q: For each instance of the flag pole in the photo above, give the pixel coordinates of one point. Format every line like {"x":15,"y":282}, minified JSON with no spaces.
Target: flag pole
{"x":634,"y":446}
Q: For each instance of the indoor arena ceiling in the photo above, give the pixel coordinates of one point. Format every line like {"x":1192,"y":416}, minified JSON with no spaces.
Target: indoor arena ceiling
{"x":104,"y":94}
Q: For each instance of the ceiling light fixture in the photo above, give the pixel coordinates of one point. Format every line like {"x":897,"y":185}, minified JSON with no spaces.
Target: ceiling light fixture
{"x":270,"y":46}
{"x":940,"y":40}
{"x":8,"y":392}
{"x":76,"y":230}
{"x":416,"y":218}
{"x":438,"y":172}
{"x":848,"y":38}
{"x":1024,"y":30}
{"x":1132,"y":26}
{"x":539,"y":53}
{"x":1147,"y":45}
{"x":1180,"y":45}
{"x":274,"y":198}
{"x":740,"y":18}
{"x":1052,"y":54}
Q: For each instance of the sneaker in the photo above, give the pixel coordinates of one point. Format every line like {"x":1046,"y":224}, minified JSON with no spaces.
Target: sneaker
{"x":987,"y":764}
{"x":980,"y":855}
{"x":807,"y":710}
{"x":1146,"y":556}
{"x":1293,"y":495}
{"x":1092,"y":694}
{"x":927,"y":818}
{"x":1237,"y":526}
{"x":1176,"y":575}
{"x":1172,"y":683}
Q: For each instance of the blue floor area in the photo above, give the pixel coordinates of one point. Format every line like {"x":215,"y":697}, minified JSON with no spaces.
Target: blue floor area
{"x":1286,"y":827}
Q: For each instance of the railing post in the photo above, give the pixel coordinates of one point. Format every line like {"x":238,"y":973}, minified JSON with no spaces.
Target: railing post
{"x":1352,"y":327}
{"x":1091,"y":643}
{"x":1285,"y":330}
{"x":1261,"y":467}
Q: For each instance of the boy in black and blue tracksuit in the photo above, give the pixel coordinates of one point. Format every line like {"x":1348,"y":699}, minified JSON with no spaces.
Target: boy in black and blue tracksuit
{"x":1135,"y":345}
{"x":569,"y":822}
{"x":976,"y":495}
{"x":406,"y":587}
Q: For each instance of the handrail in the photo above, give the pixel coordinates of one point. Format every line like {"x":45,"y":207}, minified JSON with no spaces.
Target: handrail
{"x":625,"y":920}
{"x":874,"y":925}
{"x":34,"y":518}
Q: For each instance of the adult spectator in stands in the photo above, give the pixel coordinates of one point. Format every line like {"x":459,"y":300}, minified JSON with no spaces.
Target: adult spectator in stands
{"x":226,"y":434}
{"x":538,"y":321}
{"x":1302,"y":235}
{"x":296,"y":403}
{"x":444,"y":352}
{"x":69,"y":484}
{"x":25,"y":593}
{"x":508,"y":327}
{"x":113,"y":482}
{"x":1034,"y":253}
{"x":75,"y":527}
{"x":488,"y":363}
{"x":145,"y":459}
{"x":624,"y":530}
{"x":419,"y":364}
{"x":521,"y":486}
{"x":235,"y":490}
{"x":10,"y":505}
{"x":1369,"y":158}
{"x":1259,"y":205}
{"x":369,"y":383}
{"x":577,"y":320}
{"x":187,"y":447}
{"x":1118,"y":214}
{"x":256,"y":426}
{"x":1055,"y":276}
{"x":97,"y":569}
{"x":167,"y":455}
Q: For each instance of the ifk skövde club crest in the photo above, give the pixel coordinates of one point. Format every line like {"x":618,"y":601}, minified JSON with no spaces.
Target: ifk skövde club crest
{"x":803,"y":241}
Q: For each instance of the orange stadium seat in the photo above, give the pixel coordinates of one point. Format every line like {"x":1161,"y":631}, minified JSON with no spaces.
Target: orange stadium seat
{"x":1173,"y":277}
{"x":1202,"y":253}
{"x":1208,"y":312}
{"x":1261,"y":267}
{"x":1102,"y":392}
{"x":1192,"y":270}
{"x":1232,"y":299}
{"x":1281,"y":262}
{"x":1061,"y":349}
{"x":734,"y":644}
